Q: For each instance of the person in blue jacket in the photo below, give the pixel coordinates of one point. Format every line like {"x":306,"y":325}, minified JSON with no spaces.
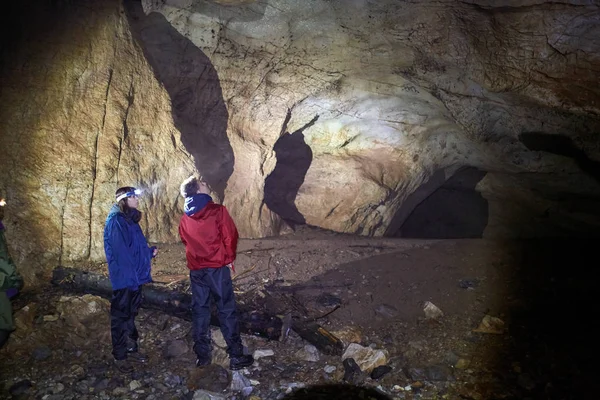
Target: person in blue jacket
{"x":129,"y":262}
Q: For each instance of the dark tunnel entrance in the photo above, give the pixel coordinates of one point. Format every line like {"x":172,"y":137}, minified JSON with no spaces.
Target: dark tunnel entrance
{"x":453,"y":210}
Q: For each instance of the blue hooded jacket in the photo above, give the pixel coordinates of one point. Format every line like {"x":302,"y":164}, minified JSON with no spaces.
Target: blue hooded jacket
{"x":127,"y":251}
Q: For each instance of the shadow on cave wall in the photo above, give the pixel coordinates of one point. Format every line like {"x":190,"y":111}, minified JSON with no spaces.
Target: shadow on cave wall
{"x":562,"y":146}
{"x":453,"y":210}
{"x":198,"y":107}
{"x":294,"y":157}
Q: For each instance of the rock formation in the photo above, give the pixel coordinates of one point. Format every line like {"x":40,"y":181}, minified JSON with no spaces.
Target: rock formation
{"x":392,"y":98}
{"x":82,"y":114}
{"x":340,"y":114}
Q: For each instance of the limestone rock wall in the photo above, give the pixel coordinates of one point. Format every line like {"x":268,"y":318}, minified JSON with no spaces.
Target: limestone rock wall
{"x":82,"y":114}
{"x":339,"y":114}
{"x":388,"y":99}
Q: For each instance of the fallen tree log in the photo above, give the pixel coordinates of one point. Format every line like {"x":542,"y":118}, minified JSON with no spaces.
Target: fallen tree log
{"x":178,"y":303}
{"x":319,"y":337}
{"x":170,"y":301}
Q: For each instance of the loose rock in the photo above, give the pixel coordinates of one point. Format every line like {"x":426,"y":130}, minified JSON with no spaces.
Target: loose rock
{"x":175,"y":349}
{"x":491,"y":325}
{"x":432,"y":311}
{"x":308,"y":353}
{"x":366,"y":357}
{"x":380,"y":371}
{"x":262,"y":353}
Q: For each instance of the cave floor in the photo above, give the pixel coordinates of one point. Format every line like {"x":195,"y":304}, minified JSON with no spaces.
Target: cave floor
{"x":540,"y":290}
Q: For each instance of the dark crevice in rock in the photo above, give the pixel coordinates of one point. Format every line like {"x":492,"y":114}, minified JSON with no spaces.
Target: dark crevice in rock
{"x":62,"y":220}
{"x":561,"y":145}
{"x":95,"y":167}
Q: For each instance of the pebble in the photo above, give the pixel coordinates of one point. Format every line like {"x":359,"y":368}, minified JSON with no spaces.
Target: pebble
{"x":330,"y":368}
{"x":133,"y":385}
{"x":59,"y":387}
{"x":41,"y":353}
{"x":260,"y":353}
{"x":119,"y":391}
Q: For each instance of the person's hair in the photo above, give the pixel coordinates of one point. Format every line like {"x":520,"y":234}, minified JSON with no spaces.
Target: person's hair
{"x":190,"y":186}
{"x":123,"y":202}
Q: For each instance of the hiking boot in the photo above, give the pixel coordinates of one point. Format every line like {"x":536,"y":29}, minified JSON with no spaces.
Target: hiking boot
{"x":203,"y":361}
{"x":132,"y":346}
{"x":239,"y":362}
{"x":138,"y":357}
{"x":123,"y":366}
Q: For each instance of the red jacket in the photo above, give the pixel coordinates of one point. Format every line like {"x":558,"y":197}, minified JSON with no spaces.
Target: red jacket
{"x":210,"y":237}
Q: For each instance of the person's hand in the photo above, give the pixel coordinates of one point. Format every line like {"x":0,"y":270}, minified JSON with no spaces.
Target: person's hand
{"x":11,"y":292}
{"x":154,"y":251}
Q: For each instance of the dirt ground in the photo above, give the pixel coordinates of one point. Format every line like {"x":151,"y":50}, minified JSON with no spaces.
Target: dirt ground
{"x":373,"y":291}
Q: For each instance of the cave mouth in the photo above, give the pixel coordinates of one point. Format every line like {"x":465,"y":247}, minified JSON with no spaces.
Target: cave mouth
{"x":454,"y":210}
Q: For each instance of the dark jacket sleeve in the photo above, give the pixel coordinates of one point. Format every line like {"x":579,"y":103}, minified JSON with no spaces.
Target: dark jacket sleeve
{"x":229,"y":234}
{"x":9,"y":277}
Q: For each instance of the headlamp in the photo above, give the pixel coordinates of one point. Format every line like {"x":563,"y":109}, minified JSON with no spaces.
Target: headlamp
{"x":2,"y":202}
{"x":136,"y":192}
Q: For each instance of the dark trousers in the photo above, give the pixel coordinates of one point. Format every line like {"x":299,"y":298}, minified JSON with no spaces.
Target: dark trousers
{"x":124,"y":306}
{"x":214,"y":283}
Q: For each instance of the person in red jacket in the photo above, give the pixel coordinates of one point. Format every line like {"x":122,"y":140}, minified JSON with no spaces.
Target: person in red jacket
{"x":210,"y":238}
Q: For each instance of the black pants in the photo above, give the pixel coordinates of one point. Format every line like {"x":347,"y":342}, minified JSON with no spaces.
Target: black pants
{"x":124,"y":306}
{"x":215,"y":283}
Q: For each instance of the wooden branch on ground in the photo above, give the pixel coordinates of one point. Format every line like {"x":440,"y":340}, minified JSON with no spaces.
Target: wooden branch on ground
{"x":297,"y":318}
{"x":319,"y":337}
{"x":166,"y":299}
{"x":306,"y":286}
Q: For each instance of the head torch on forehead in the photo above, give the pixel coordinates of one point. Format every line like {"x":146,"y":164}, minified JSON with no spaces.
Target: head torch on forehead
{"x":135,"y":192}
{"x":2,"y":202}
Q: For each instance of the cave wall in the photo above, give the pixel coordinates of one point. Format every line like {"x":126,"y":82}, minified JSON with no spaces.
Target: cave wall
{"x":82,"y":114}
{"x":402,"y":93}
{"x":367,"y":107}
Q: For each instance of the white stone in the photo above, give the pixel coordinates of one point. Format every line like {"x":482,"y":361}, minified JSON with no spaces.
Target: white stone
{"x":329,"y":368}
{"x":366,"y":357}
{"x":432,"y":311}
{"x":308,"y":353}
{"x":217,"y":338}
{"x":260,"y":353}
